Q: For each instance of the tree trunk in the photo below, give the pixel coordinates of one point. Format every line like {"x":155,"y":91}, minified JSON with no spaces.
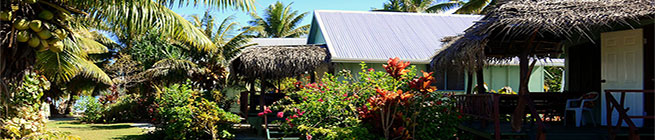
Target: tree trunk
{"x":519,"y":112}
{"x":69,"y":105}
{"x":480,"y":78}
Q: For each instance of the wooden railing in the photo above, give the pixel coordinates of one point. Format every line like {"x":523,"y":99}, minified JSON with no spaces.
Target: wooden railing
{"x":488,"y":106}
{"x":612,"y":104}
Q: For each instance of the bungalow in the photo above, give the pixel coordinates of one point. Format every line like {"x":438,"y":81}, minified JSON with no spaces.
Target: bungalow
{"x":609,"y":50}
{"x":373,"y":37}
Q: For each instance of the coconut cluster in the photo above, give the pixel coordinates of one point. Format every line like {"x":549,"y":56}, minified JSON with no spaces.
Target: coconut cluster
{"x":38,"y":25}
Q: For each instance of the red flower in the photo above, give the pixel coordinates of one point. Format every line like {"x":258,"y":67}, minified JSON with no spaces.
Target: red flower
{"x":459,"y":116}
{"x":280,"y":114}
{"x":422,"y":84}
{"x":396,"y":68}
{"x":371,"y":69}
{"x":320,"y":100}
{"x":308,"y":137}
{"x":438,"y":102}
{"x":260,"y":114}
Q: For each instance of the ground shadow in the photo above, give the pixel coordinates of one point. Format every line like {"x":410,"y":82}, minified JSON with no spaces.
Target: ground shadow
{"x":135,"y":137}
{"x":123,"y":126}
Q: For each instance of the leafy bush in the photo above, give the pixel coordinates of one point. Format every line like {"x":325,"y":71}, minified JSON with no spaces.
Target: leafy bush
{"x":393,"y":104}
{"x":93,"y":109}
{"x":182,"y":114}
{"x":23,"y":115}
{"x":128,"y":108}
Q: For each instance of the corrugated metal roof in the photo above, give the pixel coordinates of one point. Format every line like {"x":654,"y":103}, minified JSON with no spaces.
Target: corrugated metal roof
{"x":376,"y":36}
{"x":279,"y":41}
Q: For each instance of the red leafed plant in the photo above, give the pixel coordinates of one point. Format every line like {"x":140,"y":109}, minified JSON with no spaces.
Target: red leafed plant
{"x":423,"y":84}
{"x":395,"y":67}
{"x":385,"y":109}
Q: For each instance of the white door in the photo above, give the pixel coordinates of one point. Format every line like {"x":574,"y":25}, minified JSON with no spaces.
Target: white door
{"x":622,"y":68}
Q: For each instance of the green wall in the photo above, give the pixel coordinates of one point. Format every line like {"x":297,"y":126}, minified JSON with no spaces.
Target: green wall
{"x":496,"y":77}
{"x":355,"y":67}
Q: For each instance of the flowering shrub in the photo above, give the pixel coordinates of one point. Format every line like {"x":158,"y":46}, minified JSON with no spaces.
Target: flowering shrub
{"x":181,"y":113}
{"x":395,"y":104}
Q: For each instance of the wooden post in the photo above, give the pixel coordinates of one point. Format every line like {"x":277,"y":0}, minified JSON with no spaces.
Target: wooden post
{"x":312,"y":76}
{"x":469,"y":82}
{"x":525,"y":71}
{"x":480,"y":78}
{"x":252,"y":95}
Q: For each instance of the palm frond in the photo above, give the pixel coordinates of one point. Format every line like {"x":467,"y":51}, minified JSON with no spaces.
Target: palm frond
{"x":141,"y":18}
{"x":472,"y":7}
{"x":445,"y":6}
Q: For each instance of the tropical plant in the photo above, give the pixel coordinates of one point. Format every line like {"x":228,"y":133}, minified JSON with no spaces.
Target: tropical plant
{"x":181,"y":113}
{"x":63,"y":43}
{"x":414,"y":6}
{"x":279,"y":22}
{"x":394,"y":104}
{"x":52,"y":25}
{"x":93,"y":110}
{"x":468,"y":7}
{"x":429,"y":6}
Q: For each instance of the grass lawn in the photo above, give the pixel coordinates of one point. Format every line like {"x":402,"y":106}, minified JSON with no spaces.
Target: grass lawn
{"x":97,"y":131}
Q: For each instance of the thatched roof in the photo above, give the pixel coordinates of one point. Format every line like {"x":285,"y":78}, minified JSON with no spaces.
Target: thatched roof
{"x":508,"y":27}
{"x":275,"y":62}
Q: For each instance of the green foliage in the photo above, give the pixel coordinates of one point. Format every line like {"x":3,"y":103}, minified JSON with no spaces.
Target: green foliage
{"x":128,"y":108}
{"x":553,"y":79}
{"x":93,"y":110}
{"x":279,"y":21}
{"x":23,"y":115}
{"x":183,"y":114}
{"x":351,"y":108}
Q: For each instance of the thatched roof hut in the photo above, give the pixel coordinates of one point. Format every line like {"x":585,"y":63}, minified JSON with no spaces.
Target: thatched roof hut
{"x":506,"y":30}
{"x":275,"y":62}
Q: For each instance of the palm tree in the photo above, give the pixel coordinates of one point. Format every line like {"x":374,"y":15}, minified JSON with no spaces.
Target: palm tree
{"x":207,"y":69}
{"x":426,"y":6}
{"x":69,"y":56}
{"x":279,"y":22}
{"x":414,"y":6}
{"x":470,"y":7}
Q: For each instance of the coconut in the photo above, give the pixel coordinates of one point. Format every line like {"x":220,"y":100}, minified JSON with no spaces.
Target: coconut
{"x":23,"y":36}
{"x":44,"y":34}
{"x":36,"y":25}
{"x":53,"y":40}
{"x":60,"y":33}
{"x":63,"y":16}
{"x":46,"y":14}
{"x":21,"y":24}
{"x":44,"y":45}
{"x":34,"y":42}
{"x":57,"y":47}
{"x":5,"y":15}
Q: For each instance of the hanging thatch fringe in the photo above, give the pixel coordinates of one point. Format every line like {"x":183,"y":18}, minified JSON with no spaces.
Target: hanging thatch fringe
{"x":275,"y":62}
{"x":549,"y":19}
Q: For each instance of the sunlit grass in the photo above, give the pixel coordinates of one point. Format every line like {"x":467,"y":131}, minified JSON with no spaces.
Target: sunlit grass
{"x":97,"y":131}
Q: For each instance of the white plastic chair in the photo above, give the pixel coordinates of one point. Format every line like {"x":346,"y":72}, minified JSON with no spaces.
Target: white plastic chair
{"x":580,"y":109}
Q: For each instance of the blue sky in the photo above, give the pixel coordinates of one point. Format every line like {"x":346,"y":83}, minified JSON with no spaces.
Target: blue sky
{"x":300,"y":5}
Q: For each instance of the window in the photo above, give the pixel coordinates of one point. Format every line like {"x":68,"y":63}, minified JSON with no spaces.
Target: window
{"x":449,"y":79}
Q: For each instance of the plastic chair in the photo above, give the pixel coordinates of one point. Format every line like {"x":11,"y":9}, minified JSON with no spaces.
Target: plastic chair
{"x":589,"y":97}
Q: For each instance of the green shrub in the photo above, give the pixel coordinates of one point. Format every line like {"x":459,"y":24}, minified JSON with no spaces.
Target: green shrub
{"x":93,"y":110}
{"x":23,"y":114}
{"x":128,"y":108}
{"x":183,"y":114}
